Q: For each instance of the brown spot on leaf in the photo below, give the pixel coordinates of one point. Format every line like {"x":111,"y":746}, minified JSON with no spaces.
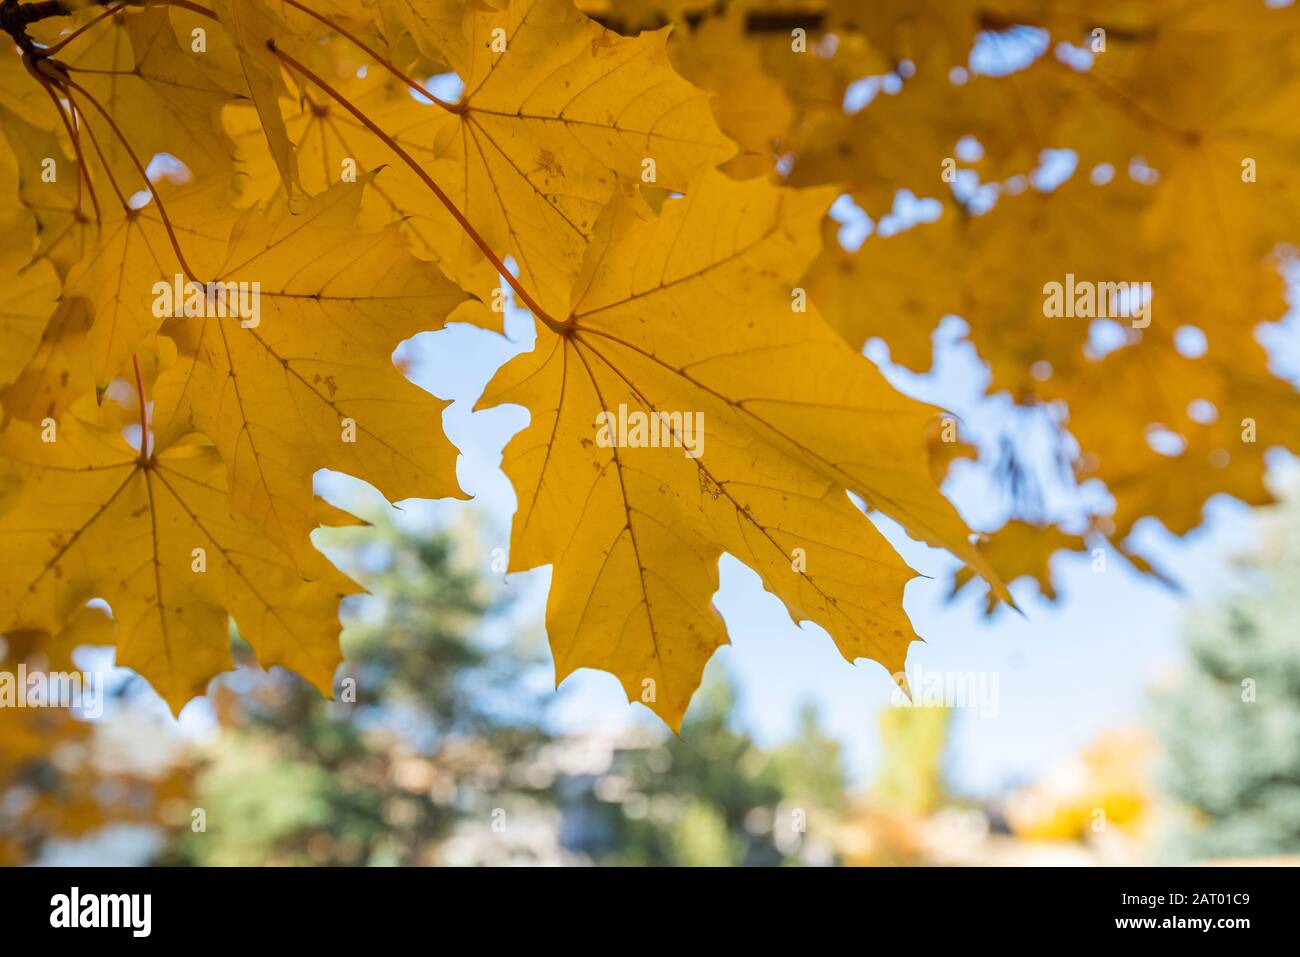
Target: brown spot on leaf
{"x":328,"y":381}
{"x":546,"y":160}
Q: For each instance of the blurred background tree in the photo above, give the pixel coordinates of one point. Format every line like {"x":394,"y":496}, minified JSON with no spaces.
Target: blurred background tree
{"x":431,"y":728}
{"x":915,"y":745}
{"x":1230,"y":725}
{"x":63,"y":779}
{"x":712,"y":796}
{"x":889,"y":823}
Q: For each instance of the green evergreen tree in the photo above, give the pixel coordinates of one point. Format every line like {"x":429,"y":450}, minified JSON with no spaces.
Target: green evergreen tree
{"x":1230,"y":726}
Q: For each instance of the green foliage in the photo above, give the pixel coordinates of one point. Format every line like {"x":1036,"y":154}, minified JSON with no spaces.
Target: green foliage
{"x":1230,"y":726}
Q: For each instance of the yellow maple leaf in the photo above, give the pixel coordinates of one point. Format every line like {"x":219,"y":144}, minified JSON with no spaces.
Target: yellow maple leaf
{"x":137,"y":73}
{"x":87,"y":625}
{"x":107,"y":311}
{"x":254,"y":28}
{"x":311,"y":382}
{"x":1018,"y":550}
{"x":781,"y":421}
{"x":28,"y":300}
{"x":157,"y":541}
{"x":64,"y":224}
{"x":333,"y":146}
{"x":751,"y":107}
{"x":555,"y":109}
